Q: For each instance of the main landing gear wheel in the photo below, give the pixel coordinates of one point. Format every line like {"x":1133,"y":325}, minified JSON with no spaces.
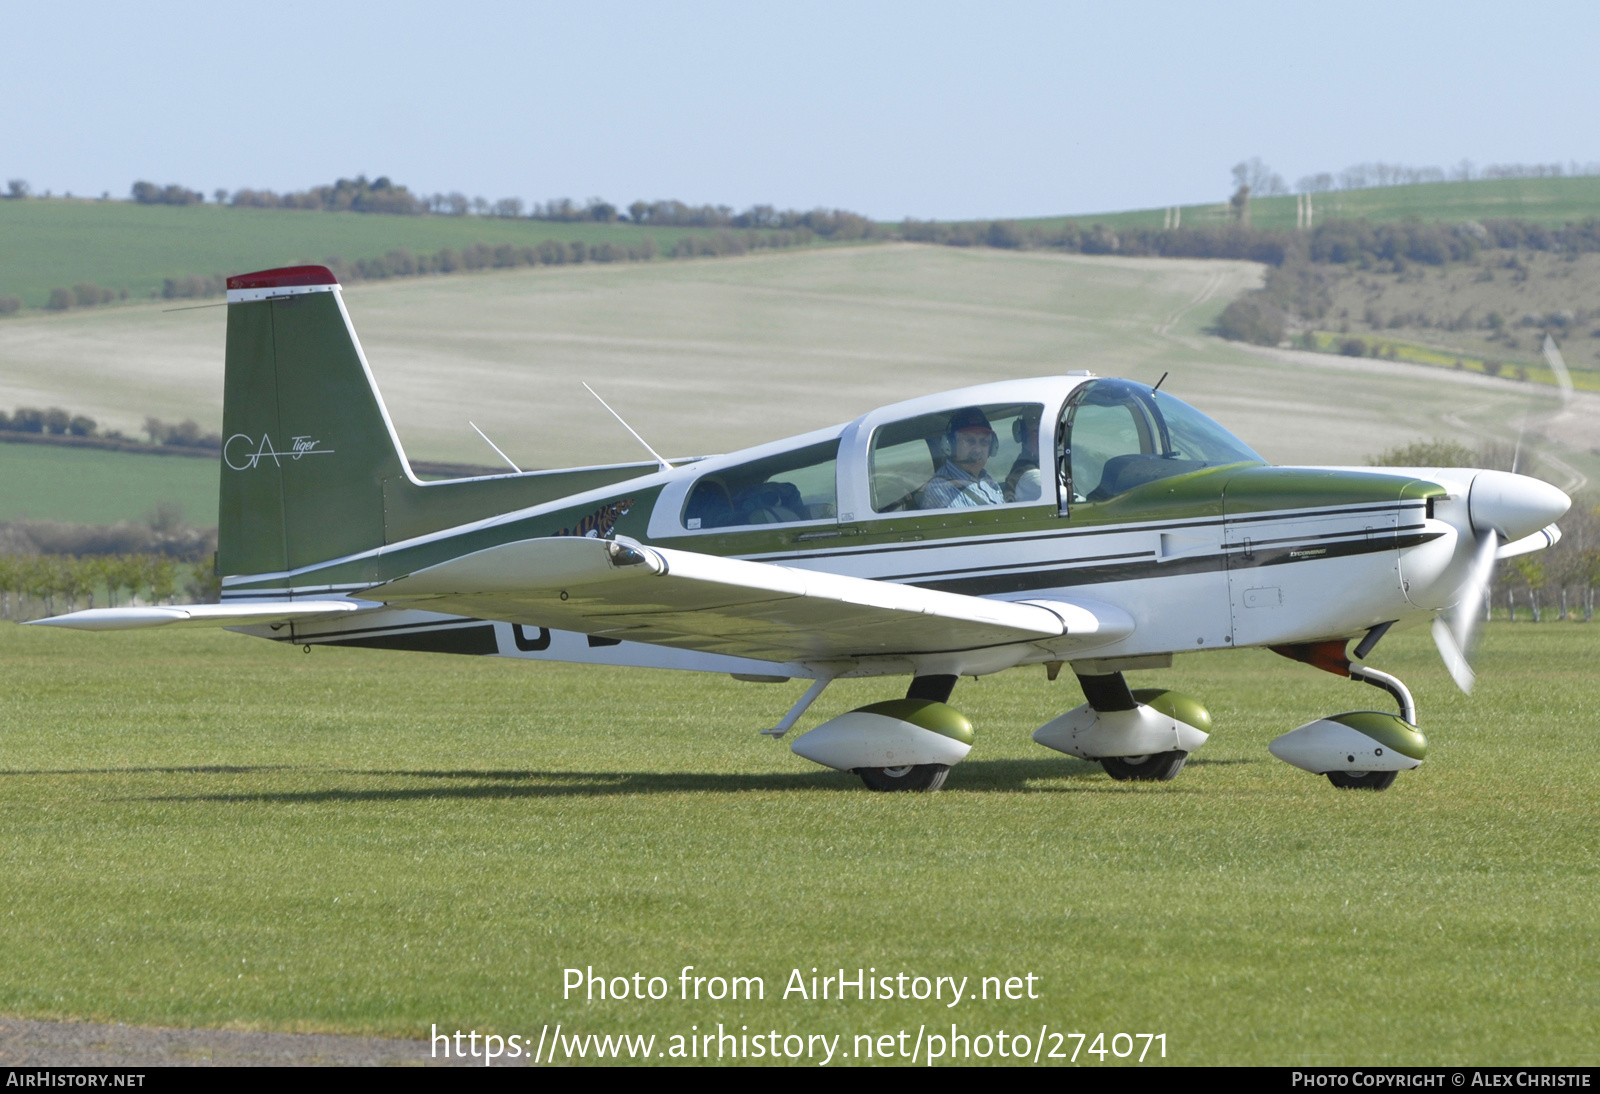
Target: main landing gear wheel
{"x":1157,"y":767}
{"x":1362,"y":780}
{"x":909,"y":777}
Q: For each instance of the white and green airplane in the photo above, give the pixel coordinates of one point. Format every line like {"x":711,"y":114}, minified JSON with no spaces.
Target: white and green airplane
{"x":926,"y":539}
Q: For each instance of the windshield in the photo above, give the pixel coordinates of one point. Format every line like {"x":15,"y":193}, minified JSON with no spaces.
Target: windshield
{"x":1116,"y":435}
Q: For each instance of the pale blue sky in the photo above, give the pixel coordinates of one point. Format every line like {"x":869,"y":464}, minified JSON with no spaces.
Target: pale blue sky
{"x":931,"y":109}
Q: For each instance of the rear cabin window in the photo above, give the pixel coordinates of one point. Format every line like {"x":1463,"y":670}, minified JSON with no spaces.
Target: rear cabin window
{"x":938,"y":461}
{"x":784,"y":489}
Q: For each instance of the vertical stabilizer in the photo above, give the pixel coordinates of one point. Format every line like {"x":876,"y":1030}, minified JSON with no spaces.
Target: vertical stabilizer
{"x":307,"y":441}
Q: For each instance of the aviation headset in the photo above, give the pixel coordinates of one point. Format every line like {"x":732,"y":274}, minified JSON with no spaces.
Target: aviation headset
{"x":970,"y":418}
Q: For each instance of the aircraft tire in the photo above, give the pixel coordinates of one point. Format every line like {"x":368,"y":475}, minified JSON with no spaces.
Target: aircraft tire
{"x":910,"y":777}
{"x":1362,"y":780}
{"x":1157,"y":767}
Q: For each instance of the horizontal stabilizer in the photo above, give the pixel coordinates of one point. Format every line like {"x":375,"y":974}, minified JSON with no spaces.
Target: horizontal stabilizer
{"x":622,"y":589}
{"x":202,"y":615}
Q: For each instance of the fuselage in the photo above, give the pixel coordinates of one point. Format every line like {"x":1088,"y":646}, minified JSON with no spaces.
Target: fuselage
{"x":1109,"y":493}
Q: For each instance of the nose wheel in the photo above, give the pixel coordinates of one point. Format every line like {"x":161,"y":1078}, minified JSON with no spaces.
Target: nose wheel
{"x":1362,"y":780}
{"x":1359,"y":749}
{"x":909,"y":777}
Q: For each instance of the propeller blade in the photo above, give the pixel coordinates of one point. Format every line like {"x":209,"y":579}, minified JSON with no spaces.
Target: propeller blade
{"x":1468,"y":609}
{"x":1558,"y":365}
{"x":1454,"y":636}
{"x":1455,"y":659}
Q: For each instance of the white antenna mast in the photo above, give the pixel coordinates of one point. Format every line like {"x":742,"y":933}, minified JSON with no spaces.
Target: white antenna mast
{"x":665,"y":466}
{"x":494,"y":446}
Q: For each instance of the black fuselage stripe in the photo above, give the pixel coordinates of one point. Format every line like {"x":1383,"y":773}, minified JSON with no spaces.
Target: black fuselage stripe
{"x":1039,"y":537}
{"x":1028,"y":581}
{"x":1379,"y":540}
{"x":1020,"y":565}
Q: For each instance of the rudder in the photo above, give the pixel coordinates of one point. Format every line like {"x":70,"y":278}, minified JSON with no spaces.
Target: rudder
{"x":308,"y":442}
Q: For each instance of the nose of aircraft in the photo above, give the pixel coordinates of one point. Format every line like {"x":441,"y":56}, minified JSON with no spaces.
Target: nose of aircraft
{"x":1513,"y":505}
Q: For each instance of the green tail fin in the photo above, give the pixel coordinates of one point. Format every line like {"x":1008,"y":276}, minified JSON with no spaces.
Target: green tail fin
{"x":311,"y":467}
{"x":307,"y":442}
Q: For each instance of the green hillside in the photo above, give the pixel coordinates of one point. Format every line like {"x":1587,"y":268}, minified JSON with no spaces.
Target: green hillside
{"x":121,"y":245}
{"x":1545,"y":201}
{"x":89,"y":486}
{"x":713,"y":355}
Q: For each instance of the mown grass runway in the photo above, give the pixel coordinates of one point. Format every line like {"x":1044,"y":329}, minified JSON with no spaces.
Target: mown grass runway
{"x":202,"y":830}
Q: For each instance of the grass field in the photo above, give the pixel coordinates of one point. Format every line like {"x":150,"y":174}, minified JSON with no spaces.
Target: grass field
{"x":203,"y":830}
{"x":88,"y":486}
{"x":1545,"y":201}
{"x":120,"y":245}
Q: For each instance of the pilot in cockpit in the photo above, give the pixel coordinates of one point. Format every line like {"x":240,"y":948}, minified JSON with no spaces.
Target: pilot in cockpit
{"x":961,"y":480}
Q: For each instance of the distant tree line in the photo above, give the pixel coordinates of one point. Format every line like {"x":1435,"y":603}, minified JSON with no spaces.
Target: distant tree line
{"x":184,"y":434}
{"x":173,"y":539}
{"x":57,"y":422}
{"x":57,"y":565}
{"x":148,"y":193}
{"x":47,"y":578}
{"x":382,"y":195}
{"x":506,"y":256}
{"x":1264,"y":182}
{"x":355,"y":195}
{"x":62,"y":583}
{"x":85,"y":294}
{"x":53,"y":420}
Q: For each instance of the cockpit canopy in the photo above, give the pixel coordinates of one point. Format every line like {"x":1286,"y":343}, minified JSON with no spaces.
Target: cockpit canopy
{"x":980,"y":446}
{"x":1117,"y":434}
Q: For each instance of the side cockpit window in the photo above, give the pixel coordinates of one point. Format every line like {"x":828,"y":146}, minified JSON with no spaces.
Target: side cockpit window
{"x":954,"y":459}
{"x":788,"y":488}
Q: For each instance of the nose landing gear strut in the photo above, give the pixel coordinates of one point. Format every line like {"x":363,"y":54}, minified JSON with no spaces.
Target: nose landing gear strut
{"x":1359,"y":749}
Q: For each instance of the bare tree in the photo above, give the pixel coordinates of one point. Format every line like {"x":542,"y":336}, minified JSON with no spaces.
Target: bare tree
{"x":1261,"y":179}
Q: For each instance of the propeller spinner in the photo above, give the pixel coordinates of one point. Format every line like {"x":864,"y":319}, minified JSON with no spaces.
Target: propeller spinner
{"x":1502,"y":508}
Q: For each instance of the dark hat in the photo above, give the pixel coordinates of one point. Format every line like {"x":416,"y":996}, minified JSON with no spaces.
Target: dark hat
{"x":969,"y":417}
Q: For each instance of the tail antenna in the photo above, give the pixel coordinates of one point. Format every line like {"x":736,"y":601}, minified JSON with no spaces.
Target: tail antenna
{"x":496,"y":447}
{"x":665,"y":466}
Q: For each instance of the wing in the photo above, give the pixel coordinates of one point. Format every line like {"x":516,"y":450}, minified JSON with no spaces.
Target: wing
{"x":204,"y":615}
{"x":621,"y":589}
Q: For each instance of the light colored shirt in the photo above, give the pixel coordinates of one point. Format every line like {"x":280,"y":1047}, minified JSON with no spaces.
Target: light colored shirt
{"x":953,"y":488}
